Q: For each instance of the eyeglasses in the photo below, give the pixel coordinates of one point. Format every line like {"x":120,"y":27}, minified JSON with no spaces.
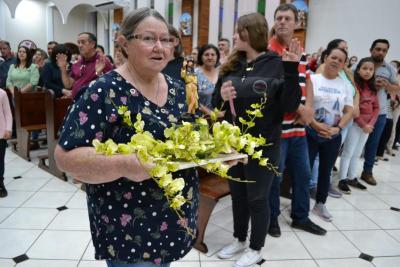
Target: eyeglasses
{"x":150,"y":39}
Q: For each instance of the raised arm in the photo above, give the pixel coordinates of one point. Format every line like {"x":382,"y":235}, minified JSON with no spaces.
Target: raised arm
{"x":62,"y":64}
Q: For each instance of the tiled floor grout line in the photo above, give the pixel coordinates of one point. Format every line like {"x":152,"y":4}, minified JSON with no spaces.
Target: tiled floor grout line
{"x":305,"y":247}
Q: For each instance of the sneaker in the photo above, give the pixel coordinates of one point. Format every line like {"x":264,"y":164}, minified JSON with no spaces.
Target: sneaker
{"x":232,"y":249}
{"x":313,"y":192}
{"x":355,"y":183}
{"x":274,"y":229}
{"x":368,"y":178}
{"x":334,"y":193}
{"x":3,"y":190}
{"x":343,"y":187}
{"x":249,"y":258}
{"x":321,"y":211}
{"x":310,"y":227}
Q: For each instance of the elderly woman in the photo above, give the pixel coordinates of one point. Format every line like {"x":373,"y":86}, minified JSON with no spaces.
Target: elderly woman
{"x":130,"y":221}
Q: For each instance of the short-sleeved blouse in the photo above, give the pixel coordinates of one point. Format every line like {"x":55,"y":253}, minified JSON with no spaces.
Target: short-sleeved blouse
{"x":205,"y":89}
{"x":131,"y":222}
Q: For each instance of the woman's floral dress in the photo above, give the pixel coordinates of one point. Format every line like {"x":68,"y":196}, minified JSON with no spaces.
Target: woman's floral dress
{"x":131,"y":222}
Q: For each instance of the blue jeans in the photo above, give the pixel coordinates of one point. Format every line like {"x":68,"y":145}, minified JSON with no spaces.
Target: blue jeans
{"x":140,"y":264}
{"x":294,"y":155}
{"x":372,"y":143}
{"x":327,"y":150}
{"x":314,"y":170}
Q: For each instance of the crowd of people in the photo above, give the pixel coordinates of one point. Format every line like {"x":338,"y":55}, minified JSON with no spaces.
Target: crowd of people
{"x":319,"y":106}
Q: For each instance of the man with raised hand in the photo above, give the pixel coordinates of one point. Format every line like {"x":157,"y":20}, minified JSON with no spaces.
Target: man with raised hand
{"x":294,"y":150}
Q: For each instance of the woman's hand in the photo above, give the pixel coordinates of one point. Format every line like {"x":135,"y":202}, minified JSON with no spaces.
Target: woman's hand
{"x":100,"y":64}
{"x":66,"y":93}
{"x":294,"y":52}
{"x":137,"y":174}
{"x":7,"y":135}
{"x":62,"y":61}
{"x":228,"y":91}
{"x":368,"y":129}
{"x":321,"y":128}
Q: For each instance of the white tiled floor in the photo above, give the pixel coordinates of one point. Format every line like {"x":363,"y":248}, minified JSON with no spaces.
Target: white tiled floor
{"x":363,"y":223}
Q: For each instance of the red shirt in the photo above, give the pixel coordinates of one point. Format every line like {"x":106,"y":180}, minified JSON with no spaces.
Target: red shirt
{"x":289,"y":129}
{"x":84,"y":71}
{"x":369,"y":107}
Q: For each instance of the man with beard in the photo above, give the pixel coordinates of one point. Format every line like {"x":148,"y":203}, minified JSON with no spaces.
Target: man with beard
{"x":385,"y":82}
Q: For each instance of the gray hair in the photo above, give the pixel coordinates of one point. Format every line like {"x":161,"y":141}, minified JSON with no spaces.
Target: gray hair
{"x":134,"y":18}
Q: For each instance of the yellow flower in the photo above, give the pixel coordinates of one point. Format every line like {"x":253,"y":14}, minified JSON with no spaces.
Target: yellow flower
{"x":177,"y":202}
{"x":122,"y":110}
{"x":257,"y":155}
{"x":175,"y":186}
{"x":159,"y":171}
{"x":263,"y":162}
{"x":165,"y":180}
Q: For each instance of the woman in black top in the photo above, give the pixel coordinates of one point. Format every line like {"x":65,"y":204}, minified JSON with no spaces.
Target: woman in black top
{"x":251,"y":71}
{"x":51,"y":74}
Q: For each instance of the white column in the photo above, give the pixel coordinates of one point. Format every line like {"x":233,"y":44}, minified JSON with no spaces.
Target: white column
{"x":162,"y":7}
{"x":247,"y":6}
{"x":270,"y":7}
{"x":228,"y":19}
{"x":49,"y":23}
{"x":3,"y":16}
{"x":213,"y":22}
{"x":143,"y":3}
{"x":195,"y":21}
{"x":177,"y":12}
{"x":110,"y":33}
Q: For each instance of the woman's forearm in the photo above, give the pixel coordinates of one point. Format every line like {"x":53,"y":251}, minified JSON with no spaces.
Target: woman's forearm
{"x":86,"y":165}
{"x":26,"y":88}
{"x":347,"y":116}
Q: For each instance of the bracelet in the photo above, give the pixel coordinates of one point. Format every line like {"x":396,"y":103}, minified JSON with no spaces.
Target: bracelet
{"x":340,"y":128}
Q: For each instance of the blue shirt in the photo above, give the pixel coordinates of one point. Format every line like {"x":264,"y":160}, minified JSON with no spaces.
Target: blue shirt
{"x":51,"y":76}
{"x":205,"y":89}
{"x":387,"y":72}
{"x":131,"y":222}
{"x":4,"y":67}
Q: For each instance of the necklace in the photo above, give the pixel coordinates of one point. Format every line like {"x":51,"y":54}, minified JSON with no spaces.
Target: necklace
{"x":134,"y":83}
{"x":250,"y":66}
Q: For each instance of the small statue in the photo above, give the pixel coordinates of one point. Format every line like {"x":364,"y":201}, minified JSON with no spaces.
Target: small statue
{"x":190,"y":78}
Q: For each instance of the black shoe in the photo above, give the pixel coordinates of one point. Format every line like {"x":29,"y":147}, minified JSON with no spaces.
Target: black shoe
{"x":274,"y":229}
{"x":3,"y":190}
{"x":343,"y":187}
{"x":335,"y":169}
{"x":355,"y":183}
{"x":310,"y":227}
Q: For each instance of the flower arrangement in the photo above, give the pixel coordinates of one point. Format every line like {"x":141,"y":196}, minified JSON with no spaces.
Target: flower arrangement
{"x":188,"y":142}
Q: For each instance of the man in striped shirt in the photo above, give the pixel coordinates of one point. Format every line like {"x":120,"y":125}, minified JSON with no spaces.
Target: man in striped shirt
{"x":294,"y":150}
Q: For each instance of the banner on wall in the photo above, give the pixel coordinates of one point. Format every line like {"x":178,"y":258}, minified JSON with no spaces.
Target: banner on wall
{"x":185,"y":24}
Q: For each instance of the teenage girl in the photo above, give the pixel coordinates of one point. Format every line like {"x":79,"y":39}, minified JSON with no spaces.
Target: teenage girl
{"x":363,"y":126}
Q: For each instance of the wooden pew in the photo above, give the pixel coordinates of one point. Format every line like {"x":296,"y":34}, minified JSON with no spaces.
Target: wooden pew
{"x":30,"y":116}
{"x":212,"y":188}
{"x":56,"y":109}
